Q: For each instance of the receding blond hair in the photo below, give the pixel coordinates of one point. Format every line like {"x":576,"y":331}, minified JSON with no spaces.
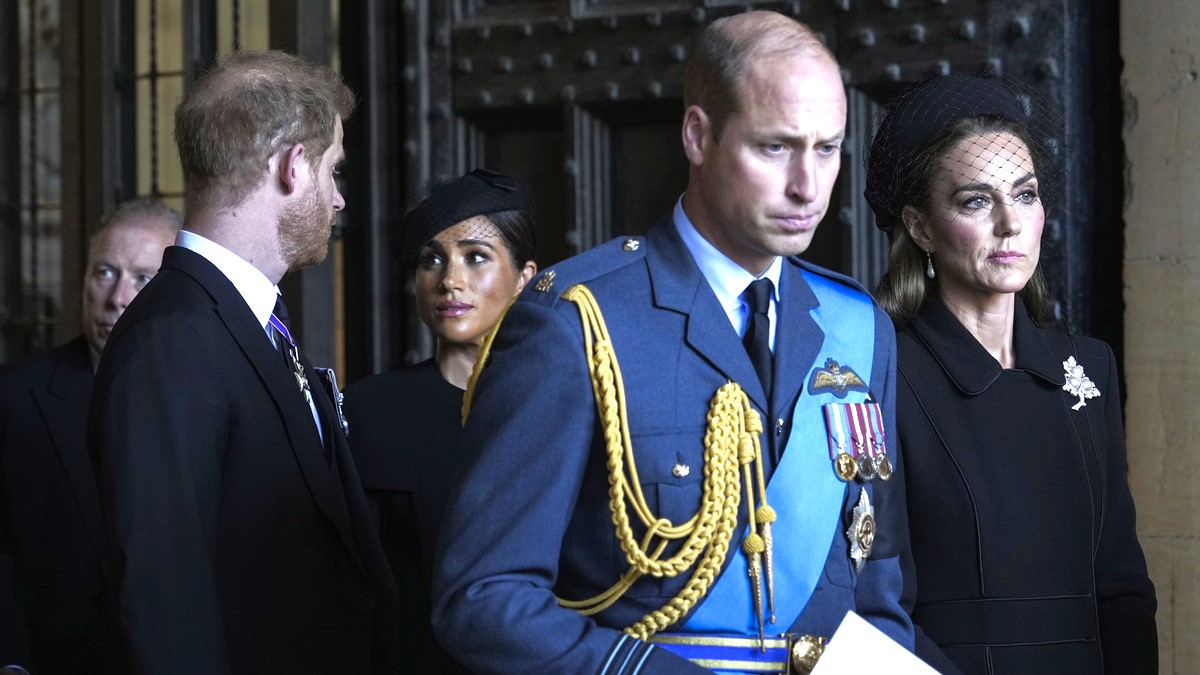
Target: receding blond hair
{"x":722,"y":54}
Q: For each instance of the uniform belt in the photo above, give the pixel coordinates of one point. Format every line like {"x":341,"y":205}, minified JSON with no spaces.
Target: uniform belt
{"x":738,"y":653}
{"x":1009,"y":621}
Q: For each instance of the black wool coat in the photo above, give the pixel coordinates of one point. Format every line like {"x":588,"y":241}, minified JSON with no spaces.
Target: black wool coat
{"x":1024,"y":553}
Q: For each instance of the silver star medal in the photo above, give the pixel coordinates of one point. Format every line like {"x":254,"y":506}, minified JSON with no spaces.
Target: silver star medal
{"x":862,"y":530}
{"x":1078,"y":384}
{"x":298,"y":372}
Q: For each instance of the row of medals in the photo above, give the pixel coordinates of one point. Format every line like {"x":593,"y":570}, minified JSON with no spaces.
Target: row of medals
{"x":867,"y":466}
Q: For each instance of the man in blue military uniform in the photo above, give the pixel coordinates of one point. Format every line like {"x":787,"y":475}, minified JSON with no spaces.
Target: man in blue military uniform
{"x":677,"y":451}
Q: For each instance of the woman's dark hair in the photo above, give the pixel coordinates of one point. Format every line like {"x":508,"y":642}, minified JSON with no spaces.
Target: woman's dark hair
{"x":516,"y":227}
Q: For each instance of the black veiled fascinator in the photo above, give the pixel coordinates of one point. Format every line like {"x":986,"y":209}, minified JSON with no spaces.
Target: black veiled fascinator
{"x":894,"y":163}
{"x":478,"y":193}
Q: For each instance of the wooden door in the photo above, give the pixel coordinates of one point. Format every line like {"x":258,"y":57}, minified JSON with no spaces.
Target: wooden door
{"x":581,"y":99}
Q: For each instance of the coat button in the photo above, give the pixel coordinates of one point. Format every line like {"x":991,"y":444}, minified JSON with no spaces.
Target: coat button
{"x":631,"y":244}
{"x":366,"y":606}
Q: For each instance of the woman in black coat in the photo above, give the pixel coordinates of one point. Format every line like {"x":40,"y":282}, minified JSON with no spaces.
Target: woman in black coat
{"x":1024,"y":553}
{"x":470,"y":248}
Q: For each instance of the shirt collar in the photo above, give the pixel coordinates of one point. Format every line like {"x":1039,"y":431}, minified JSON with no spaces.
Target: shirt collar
{"x":254,"y":286}
{"x":727,"y":278}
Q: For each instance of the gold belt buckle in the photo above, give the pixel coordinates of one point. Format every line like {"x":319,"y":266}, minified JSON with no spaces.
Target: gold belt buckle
{"x":803,"y":653}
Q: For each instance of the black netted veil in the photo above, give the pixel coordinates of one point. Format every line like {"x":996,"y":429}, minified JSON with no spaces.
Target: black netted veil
{"x":922,"y":112}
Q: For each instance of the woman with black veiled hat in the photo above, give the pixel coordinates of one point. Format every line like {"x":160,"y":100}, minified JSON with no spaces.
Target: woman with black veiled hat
{"x":1024,"y":553}
{"x":469,"y":246}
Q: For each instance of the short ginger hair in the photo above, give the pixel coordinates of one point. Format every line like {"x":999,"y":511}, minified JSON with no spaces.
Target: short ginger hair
{"x":247,"y":107}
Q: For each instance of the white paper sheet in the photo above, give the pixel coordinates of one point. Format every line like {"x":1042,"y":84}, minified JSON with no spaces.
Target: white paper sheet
{"x":858,"y":647}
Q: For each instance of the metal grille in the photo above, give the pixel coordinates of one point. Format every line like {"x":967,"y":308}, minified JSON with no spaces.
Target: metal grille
{"x":159,"y":76}
{"x":165,"y":29}
{"x":32,"y":307}
{"x":242,"y":25}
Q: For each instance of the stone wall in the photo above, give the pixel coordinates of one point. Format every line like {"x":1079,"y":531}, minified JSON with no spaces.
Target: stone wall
{"x":1161,"y":47}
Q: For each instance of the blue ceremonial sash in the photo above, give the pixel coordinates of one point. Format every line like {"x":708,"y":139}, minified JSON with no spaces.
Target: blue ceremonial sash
{"x":804,"y":490}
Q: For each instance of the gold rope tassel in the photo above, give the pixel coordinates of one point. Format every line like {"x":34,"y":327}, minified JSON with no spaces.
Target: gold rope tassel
{"x":753,"y":547}
{"x":762,"y":514}
{"x":731,"y":439}
{"x":765,"y":516}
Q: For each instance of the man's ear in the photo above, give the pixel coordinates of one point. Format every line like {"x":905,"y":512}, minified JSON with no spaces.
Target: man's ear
{"x":697,"y":134}
{"x":290,"y":164}
{"x":917,"y":226}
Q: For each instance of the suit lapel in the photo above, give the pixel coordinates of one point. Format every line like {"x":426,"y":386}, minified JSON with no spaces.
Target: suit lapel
{"x":297,"y":417}
{"x":231,"y":308}
{"x":361,"y":535}
{"x":798,"y":338}
{"x":679,"y":285}
{"x":64,"y":404}
{"x":335,"y":445}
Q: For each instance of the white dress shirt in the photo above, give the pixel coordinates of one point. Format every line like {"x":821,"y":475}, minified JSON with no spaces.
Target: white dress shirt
{"x":255,"y":288}
{"x":728,"y":279}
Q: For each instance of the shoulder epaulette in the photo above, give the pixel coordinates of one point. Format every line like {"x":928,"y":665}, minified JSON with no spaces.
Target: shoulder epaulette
{"x":593,"y":263}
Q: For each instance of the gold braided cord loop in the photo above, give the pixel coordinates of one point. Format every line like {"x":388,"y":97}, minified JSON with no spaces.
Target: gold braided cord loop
{"x":731,"y":446}
{"x":485,"y":349}
{"x":731,"y":440}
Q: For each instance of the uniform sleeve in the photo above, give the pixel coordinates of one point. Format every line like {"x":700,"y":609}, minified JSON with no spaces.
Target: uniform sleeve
{"x":1124,"y":592}
{"x":880,"y":583}
{"x":158,"y":427}
{"x":526,"y":445}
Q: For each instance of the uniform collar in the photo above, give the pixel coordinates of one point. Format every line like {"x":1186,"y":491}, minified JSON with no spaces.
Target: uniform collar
{"x":727,"y":278}
{"x":967,"y":363}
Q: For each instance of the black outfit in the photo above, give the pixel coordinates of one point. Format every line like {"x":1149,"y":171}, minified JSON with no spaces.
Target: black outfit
{"x":51,"y":524}
{"x":1023,"y":541}
{"x":404,"y":431}
{"x":239,"y":541}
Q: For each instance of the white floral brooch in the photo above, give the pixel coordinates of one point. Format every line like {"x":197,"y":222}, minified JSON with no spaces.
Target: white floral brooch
{"x":1078,"y":384}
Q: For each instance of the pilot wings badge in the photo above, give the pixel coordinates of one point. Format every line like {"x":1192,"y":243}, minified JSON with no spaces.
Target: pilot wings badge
{"x":836,"y":379}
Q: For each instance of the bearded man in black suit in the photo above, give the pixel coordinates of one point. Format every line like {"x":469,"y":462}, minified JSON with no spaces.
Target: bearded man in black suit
{"x":50,"y":527}
{"x":239,"y":536}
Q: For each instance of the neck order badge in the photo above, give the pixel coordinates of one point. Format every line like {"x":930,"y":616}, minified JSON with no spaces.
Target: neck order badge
{"x":291,"y":353}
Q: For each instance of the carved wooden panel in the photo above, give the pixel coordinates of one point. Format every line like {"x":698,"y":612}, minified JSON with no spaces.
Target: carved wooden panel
{"x":581,"y":98}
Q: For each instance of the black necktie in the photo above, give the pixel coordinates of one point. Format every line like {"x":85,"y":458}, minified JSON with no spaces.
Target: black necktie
{"x":287,"y":346}
{"x":281,"y":341}
{"x":291,"y":358}
{"x":757,"y":339}
{"x":281,"y":312}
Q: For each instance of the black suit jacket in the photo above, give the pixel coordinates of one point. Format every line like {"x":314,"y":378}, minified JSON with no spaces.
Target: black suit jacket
{"x":239,"y":544}
{"x":51,"y":523}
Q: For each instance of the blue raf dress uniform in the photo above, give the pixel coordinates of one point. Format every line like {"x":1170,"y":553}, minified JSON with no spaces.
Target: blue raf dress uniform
{"x":534,"y":569}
